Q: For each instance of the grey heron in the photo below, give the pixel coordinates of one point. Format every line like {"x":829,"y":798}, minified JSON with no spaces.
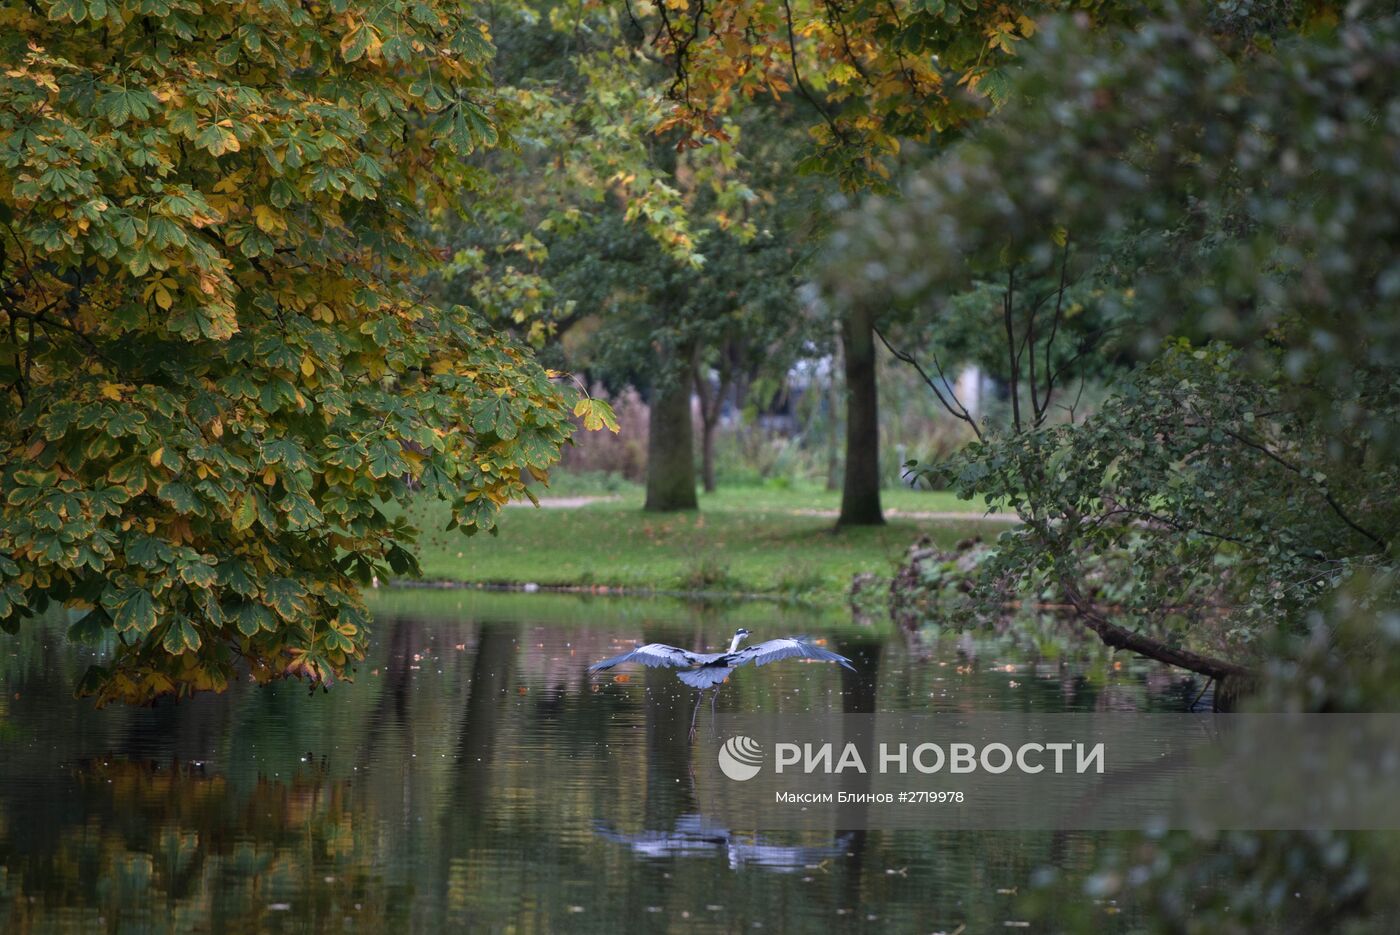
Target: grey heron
{"x":710,"y":670}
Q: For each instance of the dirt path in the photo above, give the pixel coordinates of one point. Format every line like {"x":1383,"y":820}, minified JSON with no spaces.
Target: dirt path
{"x":918,"y":514}
{"x":573,"y":503}
{"x":564,"y":503}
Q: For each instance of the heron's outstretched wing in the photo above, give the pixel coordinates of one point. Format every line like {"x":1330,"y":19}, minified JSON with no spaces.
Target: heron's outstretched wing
{"x":652,"y":654}
{"x":760,"y":654}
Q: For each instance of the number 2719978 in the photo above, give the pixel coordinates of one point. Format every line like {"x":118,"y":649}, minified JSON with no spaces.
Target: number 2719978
{"x":932,"y":797}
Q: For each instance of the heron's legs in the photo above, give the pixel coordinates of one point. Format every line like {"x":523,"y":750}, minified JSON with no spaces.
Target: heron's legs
{"x":695,"y":714}
{"x":714,"y":696}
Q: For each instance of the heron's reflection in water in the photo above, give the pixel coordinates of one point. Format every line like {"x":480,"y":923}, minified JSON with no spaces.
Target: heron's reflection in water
{"x":698,"y":836}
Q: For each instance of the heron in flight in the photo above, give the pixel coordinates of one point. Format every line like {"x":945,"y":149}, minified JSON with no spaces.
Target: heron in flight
{"x":710,"y":670}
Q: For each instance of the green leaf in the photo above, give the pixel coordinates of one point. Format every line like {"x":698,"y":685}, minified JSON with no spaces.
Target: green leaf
{"x":234,"y":575}
{"x":123,"y":104}
{"x":181,"y":637}
{"x":402,"y":561}
{"x":134,"y":611}
{"x":287,"y":597}
{"x":74,"y":10}
{"x":492,"y":416}
{"x":246,"y":513}
{"x":147,"y":551}
{"x":198,"y":574}
{"x":386,"y":460}
{"x":11,"y":605}
{"x":301,"y":512}
{"x":286,"y":452}
{"x":250,"y":618}
{"x":180,"y":496}
{"x":532,"y":448}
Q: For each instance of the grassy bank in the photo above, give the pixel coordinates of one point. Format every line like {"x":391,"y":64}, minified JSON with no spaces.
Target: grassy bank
{"x":777,"y":542}
{"x":684,"y":614}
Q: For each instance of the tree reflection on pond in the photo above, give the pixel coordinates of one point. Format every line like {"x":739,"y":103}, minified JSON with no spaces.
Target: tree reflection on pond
{"x":473,"y":776}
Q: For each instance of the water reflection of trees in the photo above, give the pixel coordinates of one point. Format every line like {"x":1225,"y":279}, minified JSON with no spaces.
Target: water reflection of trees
{"x":171,"y":848}
{"x":459,"y":783}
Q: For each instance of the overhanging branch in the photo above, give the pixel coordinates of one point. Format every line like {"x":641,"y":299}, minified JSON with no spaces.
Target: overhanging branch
{"x":1152,"y":648}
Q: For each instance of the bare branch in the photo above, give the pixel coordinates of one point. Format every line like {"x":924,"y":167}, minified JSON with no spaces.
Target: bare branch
{"x":1381,"y":544}
{"x":951,"y":403}
{"x":1055,"y":326}
{"x":797,"y":76}
{"x":1037,"y":413}
{"x":1012,"y":355}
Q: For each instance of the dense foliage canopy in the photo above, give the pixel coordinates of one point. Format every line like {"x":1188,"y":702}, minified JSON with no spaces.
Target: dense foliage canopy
{"x":216,"y":380}
{"x":1235,"y":189}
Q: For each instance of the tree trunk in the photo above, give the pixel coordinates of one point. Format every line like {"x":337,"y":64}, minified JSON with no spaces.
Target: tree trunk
{"x":860,"y":490}
{"x":671,"y":447}
{"x":833,"y":405}
{"x":493,"y":673}
{"x":711,"y":402}
{"x":707,"y":456}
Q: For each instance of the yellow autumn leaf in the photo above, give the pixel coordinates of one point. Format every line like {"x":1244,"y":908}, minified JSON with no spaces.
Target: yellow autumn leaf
{"x":268,"y":220}
{"x":230,"y":183}
{"x":596,"y":414}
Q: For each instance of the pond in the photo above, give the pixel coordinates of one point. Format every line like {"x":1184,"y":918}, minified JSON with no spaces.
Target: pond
{"x":474,"y":776}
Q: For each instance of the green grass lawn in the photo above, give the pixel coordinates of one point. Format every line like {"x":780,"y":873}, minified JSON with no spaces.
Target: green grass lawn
{"x":742,"y":541}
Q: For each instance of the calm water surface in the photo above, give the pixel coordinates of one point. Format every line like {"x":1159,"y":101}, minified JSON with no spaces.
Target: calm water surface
{"x":474,"y":777}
